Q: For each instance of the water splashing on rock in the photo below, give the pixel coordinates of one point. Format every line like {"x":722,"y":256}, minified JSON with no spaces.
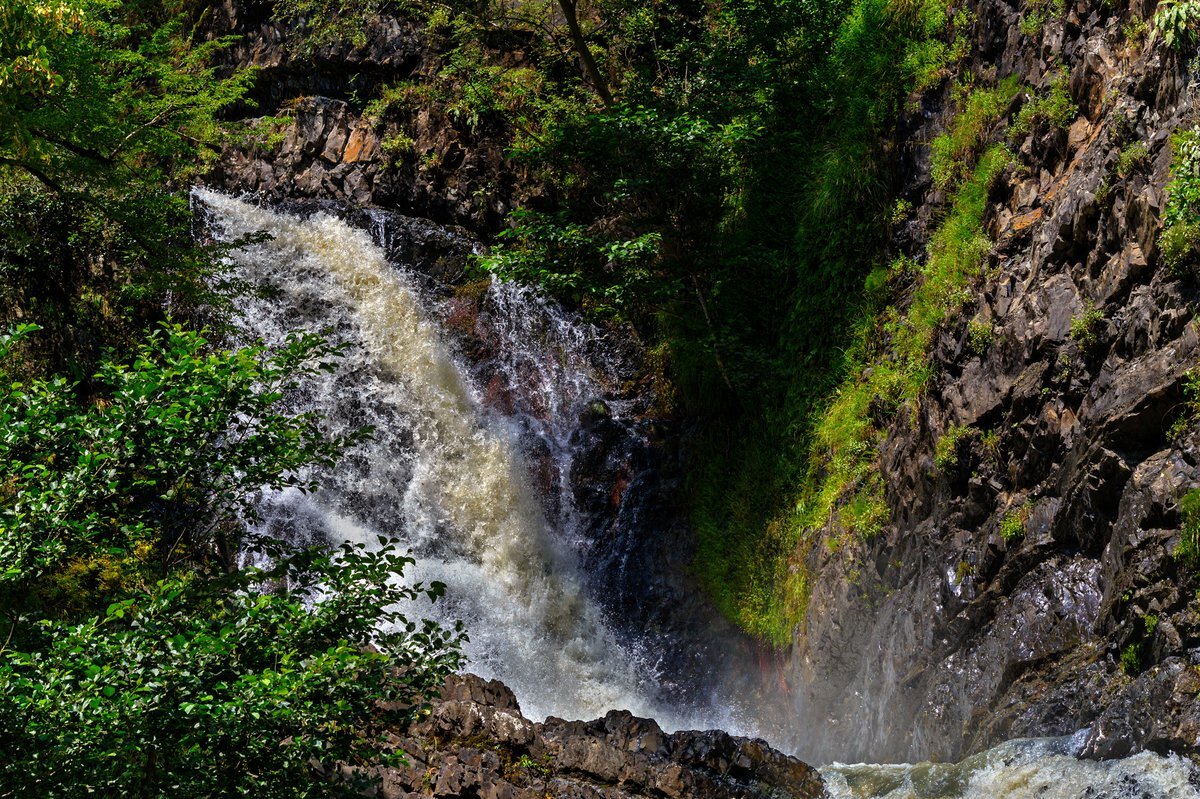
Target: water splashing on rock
{"x":446,"y":471}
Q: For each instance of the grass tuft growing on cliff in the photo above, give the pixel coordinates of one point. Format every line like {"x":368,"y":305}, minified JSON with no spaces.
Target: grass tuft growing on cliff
{"x":1012,"y":524}
{"x":883,"y":377}
{"x":1055,"y":106}
{"x":952,"y":151}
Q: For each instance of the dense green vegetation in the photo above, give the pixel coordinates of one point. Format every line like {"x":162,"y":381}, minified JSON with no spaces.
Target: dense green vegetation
{"x":771,"y":191}
{"x":724,"y":183}
{"x":140,"y":654}
{"x":101,"y":104}
{"x":720,"y":179}
{"x":1181,"y":231}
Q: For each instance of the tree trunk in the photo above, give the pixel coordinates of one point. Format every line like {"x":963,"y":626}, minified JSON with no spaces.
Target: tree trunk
{"x":585,"y":54}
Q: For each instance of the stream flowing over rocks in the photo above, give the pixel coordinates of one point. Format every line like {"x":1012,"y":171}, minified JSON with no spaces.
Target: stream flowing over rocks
{"x":522,"y":459}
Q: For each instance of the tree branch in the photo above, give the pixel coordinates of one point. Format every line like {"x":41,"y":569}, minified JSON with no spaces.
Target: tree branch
{"x":569,"y":10}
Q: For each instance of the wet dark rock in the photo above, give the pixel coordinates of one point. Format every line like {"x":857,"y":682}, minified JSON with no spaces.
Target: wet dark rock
{"x":938,"y":638}
{"x":476,"y":743}
{"x":595,"y":413}
{"x":439,"y":253}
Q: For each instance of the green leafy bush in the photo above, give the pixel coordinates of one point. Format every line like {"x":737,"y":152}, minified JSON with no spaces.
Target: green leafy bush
{"x":159,"y":472}
{"x":262,"y":683}
{"x":602,"y":276}
{"x":323,"y":23}
{"x":1175,"y":21}
{"x":1040,"y":11}
{"x":101,"y":104}
{"x":1086,"y":326}
{"x":140,"y":660}
{"x":1135,"y":31}
{"x":980,"y":336}
{"x":1132,"y":157}
{"x":540,"y":767}
{"x":990,"y":442}
{"x":1131,"y":659}
{"x":107,"y":91}
{"x":1188,"y":549}
{"x":1177,"y":246}
{"x":1181,"y":217}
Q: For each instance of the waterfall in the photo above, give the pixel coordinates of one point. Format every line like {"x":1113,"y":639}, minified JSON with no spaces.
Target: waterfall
{"x":442,"y":472}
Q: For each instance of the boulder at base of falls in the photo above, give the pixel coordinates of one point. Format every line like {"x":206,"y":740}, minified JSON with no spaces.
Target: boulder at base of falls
{"x":476,"y":743}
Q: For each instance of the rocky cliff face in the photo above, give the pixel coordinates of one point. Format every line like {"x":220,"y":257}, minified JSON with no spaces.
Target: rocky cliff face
{"x":310,"y":136}
{"x":476,"y":743}
{"x":940,"y":636}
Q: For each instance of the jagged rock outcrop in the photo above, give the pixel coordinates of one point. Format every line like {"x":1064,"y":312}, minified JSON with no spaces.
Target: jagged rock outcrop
{"x":476,"y":743}
{"x":942,"y":637}
{"x":310,"y":136}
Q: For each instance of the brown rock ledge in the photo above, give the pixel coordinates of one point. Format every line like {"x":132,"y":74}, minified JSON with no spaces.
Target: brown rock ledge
{"x":476,"y":743}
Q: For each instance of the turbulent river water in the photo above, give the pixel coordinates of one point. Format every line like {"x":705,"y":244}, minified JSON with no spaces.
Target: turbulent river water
{"x":451,"y":475}
{"x":1042,"y":768}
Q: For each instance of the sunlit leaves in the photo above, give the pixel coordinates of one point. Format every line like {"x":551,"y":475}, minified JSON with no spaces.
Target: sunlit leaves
{"x":252,"y":684}
{"x":171,"y":457}
{"x":141,"y":659}
{"x":1176,"y":20}
{"x":99,"y":90}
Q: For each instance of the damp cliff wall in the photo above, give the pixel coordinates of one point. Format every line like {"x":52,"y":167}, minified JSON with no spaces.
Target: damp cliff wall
{"x":1061,"y":382}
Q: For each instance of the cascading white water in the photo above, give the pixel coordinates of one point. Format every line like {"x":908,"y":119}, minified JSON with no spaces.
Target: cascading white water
{"x":554,"y":360}
{"x":1040,"y":768}
{"x":439,"y":472}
